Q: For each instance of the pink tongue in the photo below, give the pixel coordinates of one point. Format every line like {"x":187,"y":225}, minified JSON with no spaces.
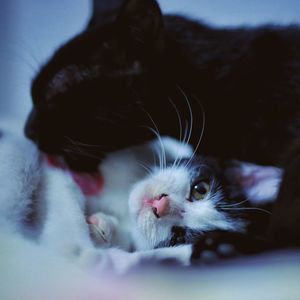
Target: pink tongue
{"x":91,"y":184}
{"x":55,"y":161}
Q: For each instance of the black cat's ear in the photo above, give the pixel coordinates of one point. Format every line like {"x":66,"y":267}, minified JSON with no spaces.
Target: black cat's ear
{"x":140,"y":23}
{"x":103,"y":11}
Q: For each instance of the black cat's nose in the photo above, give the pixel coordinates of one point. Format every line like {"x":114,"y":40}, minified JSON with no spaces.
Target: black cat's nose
{"x":30,"y":130}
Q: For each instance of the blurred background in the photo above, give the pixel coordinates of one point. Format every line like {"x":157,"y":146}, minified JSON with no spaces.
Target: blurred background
{"x":31,"y":30}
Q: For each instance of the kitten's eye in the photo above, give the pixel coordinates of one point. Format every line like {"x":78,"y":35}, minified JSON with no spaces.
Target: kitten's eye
{"x":199,"y":190}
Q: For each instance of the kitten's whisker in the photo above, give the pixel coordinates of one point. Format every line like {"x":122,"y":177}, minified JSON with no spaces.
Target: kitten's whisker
{"x":190,"y":113}
{"x":154,"y":155}
{"x":146,"y":168}
{"x":235,"y":204}
{"x":158,"y":153}
{"x":248,"y":208}
{"x":183,"y":142}
{"x":157,"y":133}
{"x":202,"y":132}
{"x":190,"y":128}
{"x":180,"y":130}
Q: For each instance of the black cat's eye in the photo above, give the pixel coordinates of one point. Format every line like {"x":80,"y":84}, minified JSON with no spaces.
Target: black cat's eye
{"x":199,"y":191}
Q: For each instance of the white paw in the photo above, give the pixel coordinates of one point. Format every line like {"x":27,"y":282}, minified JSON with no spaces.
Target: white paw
{"x":93,"y":260}
{"x":98,"y":261}
{"x":103,"y":229}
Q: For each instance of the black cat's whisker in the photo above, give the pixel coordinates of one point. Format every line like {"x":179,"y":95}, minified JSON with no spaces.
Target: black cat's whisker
{"x":81,"y":144}
{"x":72,"y":150}
{"x":31,"y":60}
{"x":70,"y":153}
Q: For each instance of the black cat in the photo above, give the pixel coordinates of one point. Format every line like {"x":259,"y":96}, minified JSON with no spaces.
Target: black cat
{"x":131,"y":67}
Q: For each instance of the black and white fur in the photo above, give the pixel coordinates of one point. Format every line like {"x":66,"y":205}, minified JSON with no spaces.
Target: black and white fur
{"x":45,"y":205}
{"x":132,"y":61}
{"x":59,"y":209}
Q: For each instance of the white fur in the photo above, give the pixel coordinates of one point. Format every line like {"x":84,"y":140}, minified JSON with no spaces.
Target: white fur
{"x":19,"y":179}
{"x":65,"y":227}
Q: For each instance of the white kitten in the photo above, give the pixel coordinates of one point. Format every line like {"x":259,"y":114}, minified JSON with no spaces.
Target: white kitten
{"x":168,"y":205}
{"x":26,"y":179}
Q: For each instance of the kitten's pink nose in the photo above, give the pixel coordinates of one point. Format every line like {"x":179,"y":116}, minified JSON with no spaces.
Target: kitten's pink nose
{"x":160,"y":205}
{"x":92,"y":220}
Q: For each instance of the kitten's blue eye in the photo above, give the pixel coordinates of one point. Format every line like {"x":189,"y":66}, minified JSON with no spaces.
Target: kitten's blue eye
{"x":199,"y":191}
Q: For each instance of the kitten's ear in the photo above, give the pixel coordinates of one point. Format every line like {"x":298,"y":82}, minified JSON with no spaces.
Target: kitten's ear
{"x":141,"y":23}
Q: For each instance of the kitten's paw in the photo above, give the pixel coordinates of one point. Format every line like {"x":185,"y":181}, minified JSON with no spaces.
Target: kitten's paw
{"x":94,"y":261}
{"x":259,"y":184}
{"x":98,"y":261}
{"x":103,"y":229}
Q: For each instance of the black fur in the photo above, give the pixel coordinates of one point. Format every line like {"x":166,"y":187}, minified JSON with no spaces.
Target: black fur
{"x":219,"y":244}
{"x":96,"y":93}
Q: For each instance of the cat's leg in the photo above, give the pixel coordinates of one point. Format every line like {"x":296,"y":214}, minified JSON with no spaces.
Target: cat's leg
{"x":65,"y":228}
{"x":19,"y":179}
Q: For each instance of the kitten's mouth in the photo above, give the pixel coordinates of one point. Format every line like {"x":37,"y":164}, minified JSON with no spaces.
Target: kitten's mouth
{"x":154,"y":210}
{"x":91,"y":184}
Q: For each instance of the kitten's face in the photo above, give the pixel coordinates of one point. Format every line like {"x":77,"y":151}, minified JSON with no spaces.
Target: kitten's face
{"x":93,"y":93}
{"x":175,"y":205}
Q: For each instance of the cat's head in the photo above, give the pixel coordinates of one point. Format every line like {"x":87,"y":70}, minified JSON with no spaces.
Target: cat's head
{"x":97,"y":91}
{"x":178,"y":204}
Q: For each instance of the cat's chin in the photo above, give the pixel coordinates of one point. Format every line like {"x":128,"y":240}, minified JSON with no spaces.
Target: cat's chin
{"x":150,"y":230}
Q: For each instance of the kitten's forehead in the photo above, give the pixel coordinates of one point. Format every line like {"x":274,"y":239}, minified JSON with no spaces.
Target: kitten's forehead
{"x":169,"y":181}
{"x":200,"y":167}
{"x":178,"y":178}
